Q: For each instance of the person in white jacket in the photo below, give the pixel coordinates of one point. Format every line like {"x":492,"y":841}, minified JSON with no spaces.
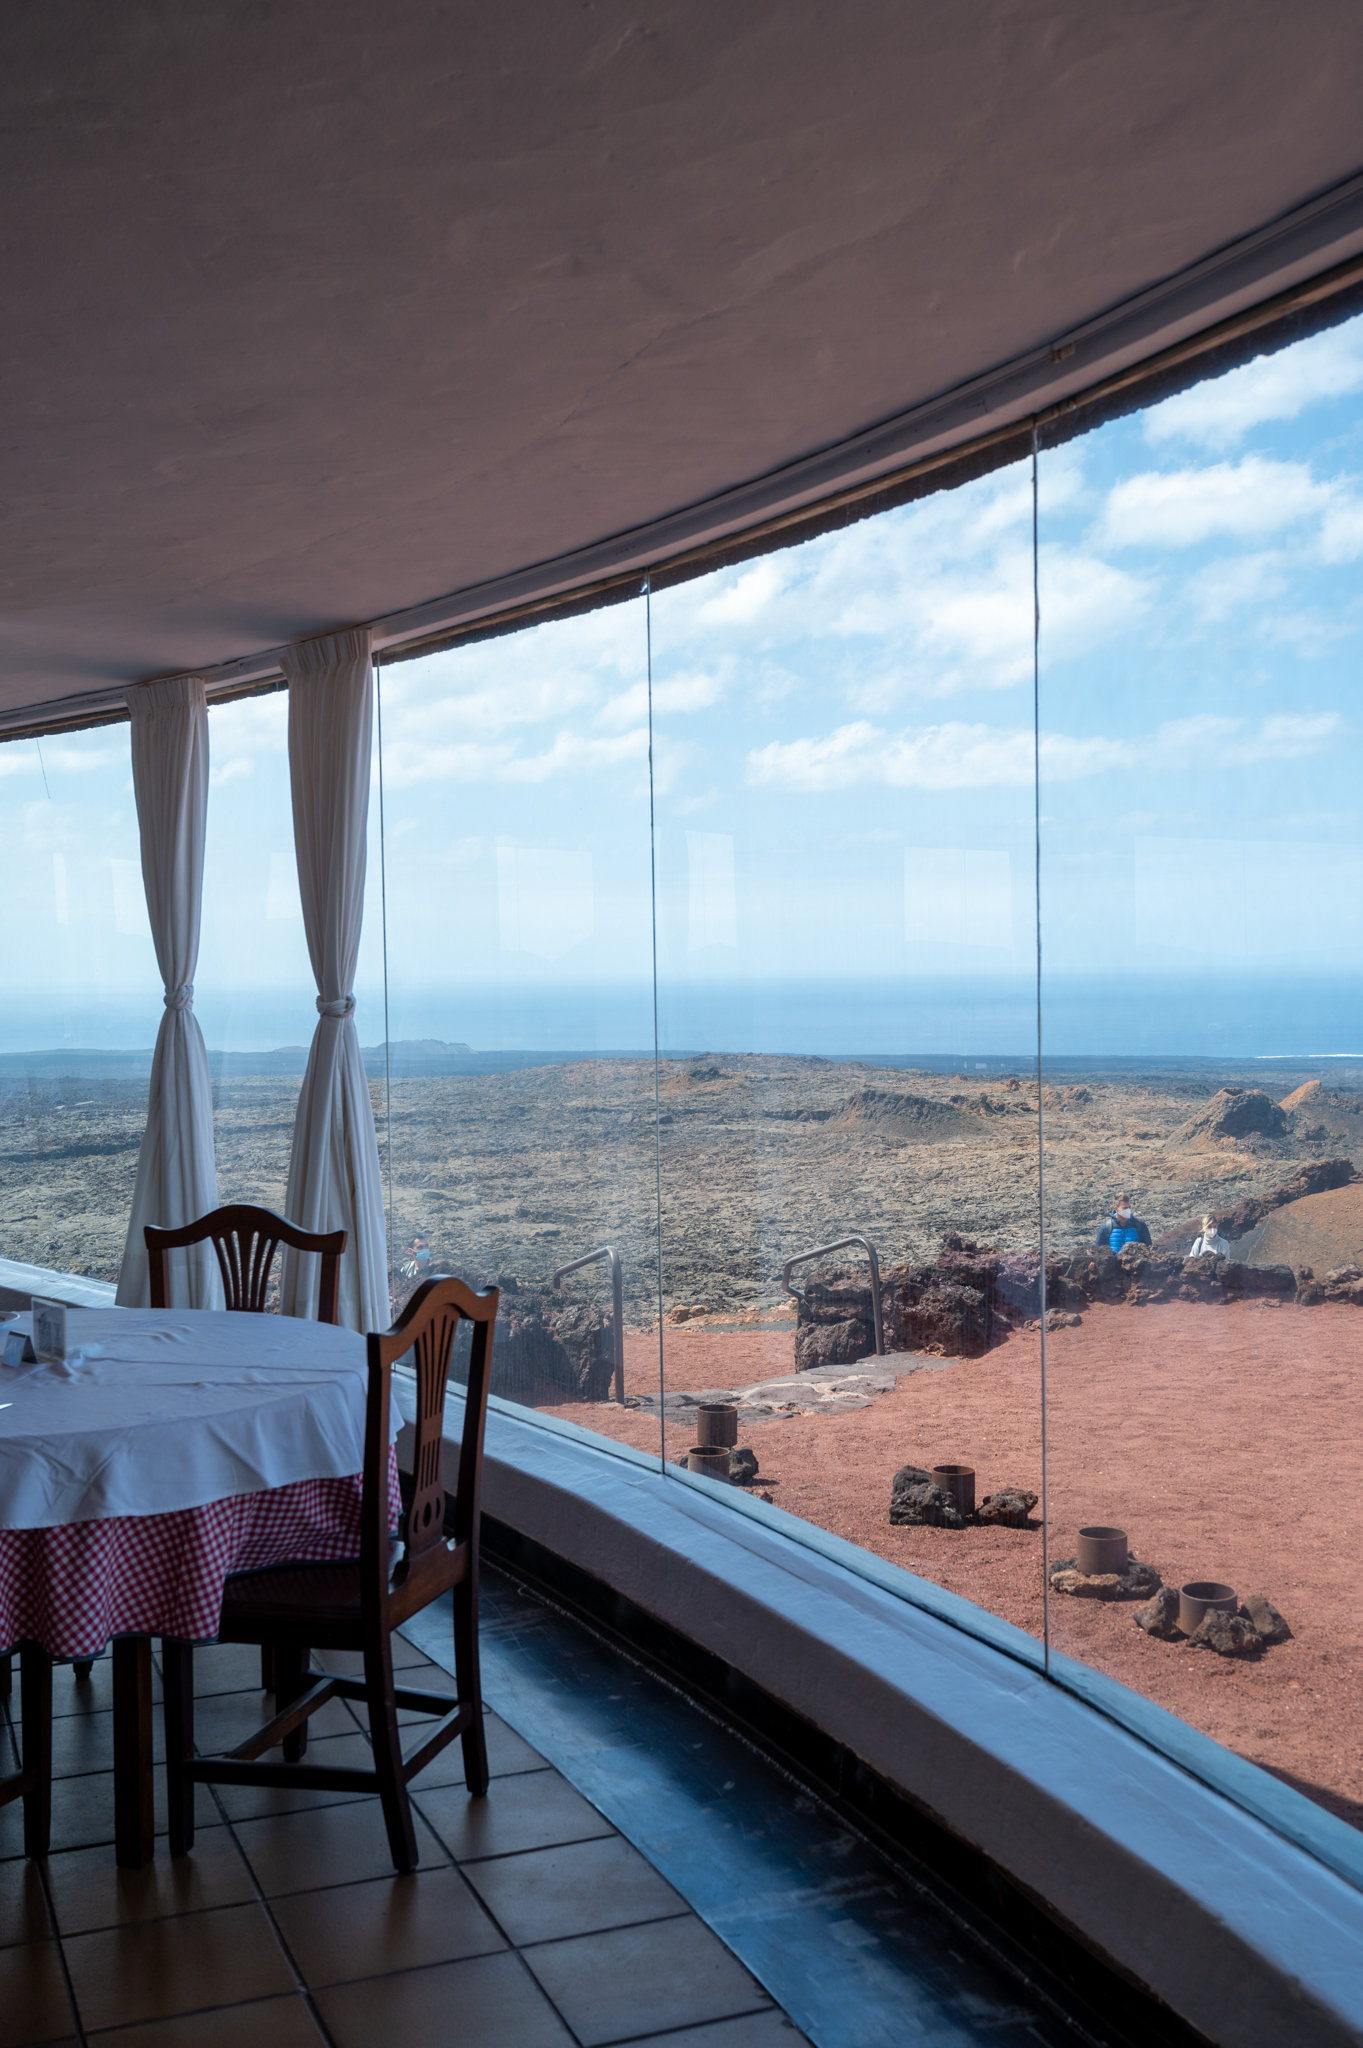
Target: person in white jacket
{"x":1211,"y":1244}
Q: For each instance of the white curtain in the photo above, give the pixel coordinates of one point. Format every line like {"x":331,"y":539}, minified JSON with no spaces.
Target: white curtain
{"x":334,"y":1179}
{"x":176,"y":1177}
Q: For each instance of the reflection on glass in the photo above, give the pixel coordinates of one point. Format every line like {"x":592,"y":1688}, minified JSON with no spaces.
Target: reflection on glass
{"x":846,"y":930}
{"x":521,"y":1138}
{"x":83,"y":1000}
{"x":1202,"y":907}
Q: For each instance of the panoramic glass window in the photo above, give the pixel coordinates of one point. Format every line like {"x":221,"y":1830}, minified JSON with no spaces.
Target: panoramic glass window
{"x":1202,"y":916}
{"x":846,"y":1006}
{"x":520,"y":1139}
{"x":83,"y":1001}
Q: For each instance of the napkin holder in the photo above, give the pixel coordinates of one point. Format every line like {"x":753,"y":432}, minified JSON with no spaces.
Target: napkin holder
{"x":49,"y":1330}
{"x":18,"y":1349}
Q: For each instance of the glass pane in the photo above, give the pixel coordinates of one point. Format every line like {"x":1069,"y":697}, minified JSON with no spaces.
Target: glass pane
{"x":846,"y":944}
{"x":82,"y":1001}
{"x":516,"y":808}
{"x":1202,"y":907}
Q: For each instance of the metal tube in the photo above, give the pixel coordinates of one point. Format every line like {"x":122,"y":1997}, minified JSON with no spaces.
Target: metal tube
{"x":821,"y":1251}
{"x":605,"y":1251}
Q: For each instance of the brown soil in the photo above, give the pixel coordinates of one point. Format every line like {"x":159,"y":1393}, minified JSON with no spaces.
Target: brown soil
{"x":1224,"y":1440}
{"x":1319,"y":1231}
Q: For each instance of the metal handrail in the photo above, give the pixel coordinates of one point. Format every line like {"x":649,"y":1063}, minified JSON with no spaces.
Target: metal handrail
{"x":605,"y":1251}
{"x":821,"y":1251}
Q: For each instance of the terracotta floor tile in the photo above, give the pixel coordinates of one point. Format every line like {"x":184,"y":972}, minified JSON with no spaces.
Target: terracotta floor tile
{"x":83,"y":1813}
{"x":90,"y":1891}
{"x":755,"y":2030}
{"x":489,"y":2002}
{"x":156,"y":1968}
{"x":23,"y":1908}
{"x":263,"y":2023}
{"x":92,"y":1695}
{"x":85,"y":1742}
{"x":305,"y":1852}
{"x":252,"y":1802}
{"x":533,"y":1810}
{"x":406,"y":1657}
{"x":222,"y":1720}
{"x":638,"y":1980}
{"x":389,"y":1923}
{"x":507,"y":1753}
{"x":33,"y":2002}
{"x":548,"y":1894}
{"x":227,"y":1667}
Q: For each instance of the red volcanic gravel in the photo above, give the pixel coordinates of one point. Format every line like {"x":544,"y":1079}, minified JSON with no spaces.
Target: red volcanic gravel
{"x":1224,"y":1440}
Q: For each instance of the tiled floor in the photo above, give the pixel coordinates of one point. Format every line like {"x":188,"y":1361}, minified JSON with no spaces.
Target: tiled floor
{"x":532,"y":1923}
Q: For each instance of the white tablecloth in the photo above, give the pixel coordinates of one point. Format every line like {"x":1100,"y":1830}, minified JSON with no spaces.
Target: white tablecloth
{"x":169,"y":1409}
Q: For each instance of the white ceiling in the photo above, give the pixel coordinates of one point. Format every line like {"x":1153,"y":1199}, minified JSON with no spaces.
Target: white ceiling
{"x":316,"y":310}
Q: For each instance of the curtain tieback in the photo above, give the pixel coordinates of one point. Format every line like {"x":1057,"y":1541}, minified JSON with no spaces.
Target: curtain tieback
{"x":344,"y":1006}
{"x":181,"y":998}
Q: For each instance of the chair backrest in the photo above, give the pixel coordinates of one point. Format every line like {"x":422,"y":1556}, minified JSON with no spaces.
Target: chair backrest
{"x":245,"y":1240}
{"x":427,"y":1328}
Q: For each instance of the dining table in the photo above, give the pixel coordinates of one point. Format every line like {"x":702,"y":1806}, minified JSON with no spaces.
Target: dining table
{"x":167,"y":1449}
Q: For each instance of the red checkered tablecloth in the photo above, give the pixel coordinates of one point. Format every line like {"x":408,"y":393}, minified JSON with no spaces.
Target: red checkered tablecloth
{"x":73,"y":1587}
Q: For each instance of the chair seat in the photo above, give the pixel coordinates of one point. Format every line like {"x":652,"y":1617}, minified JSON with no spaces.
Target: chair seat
{"x":283,"y":1595}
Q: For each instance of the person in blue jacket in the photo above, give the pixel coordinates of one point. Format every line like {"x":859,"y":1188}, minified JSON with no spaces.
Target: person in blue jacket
{"x":1122,"y":1226}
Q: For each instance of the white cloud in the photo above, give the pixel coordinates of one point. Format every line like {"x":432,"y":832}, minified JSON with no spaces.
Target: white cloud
{"x":1220,"y":412}
{"x":411,"y":761}
{"x":1179,"y":508}
{"x":741,"y":602}
{"x":678,"y":694}
{"x":1226,"y":587}
{"x":960,"y":756}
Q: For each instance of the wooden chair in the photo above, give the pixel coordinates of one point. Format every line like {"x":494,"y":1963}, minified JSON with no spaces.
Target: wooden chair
{"x":357,"y":1606}
{"x":33,"y":1781}
{"x":245,"y":1240}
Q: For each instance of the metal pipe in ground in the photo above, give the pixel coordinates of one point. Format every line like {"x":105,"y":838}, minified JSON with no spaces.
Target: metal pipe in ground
{"x":605,"y":1251}
{"x":821,"y":1251}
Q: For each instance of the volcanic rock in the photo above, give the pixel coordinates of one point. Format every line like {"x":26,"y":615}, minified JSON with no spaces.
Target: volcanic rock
{"x":1233,"y":1114}
{"x":1263,"y":1616}
{"x":1088,"y":1586}
{"x":1228,"y":1634}
{"x":550,"y":1349}
{"x":1159,"y":1617}
{"x":916,"y":1503}
{"x":902,"y":1116}
{"x":1316,"y":1178}
{"x":1008,"y":1508}
{"x":742,"y":1466}
{"x":1137,"y":1582}
{"x":948,"y":1320}
{"x":1062,"y":1319}
{"x":840,"y":1343}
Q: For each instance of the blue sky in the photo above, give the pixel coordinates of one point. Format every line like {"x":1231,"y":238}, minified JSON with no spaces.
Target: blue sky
{"x":842,"y":764}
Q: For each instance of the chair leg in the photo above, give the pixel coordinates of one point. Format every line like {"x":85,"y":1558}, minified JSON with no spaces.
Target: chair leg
{"x":81,"y":1667}
{"x":267,"y":1667}
{"x":6,"y":1677}
{"x":177,"y":1693}
{"x":290,"y":1667}
{"x":469,"y":1685}
{"x":35,"y":1686}
{"x":386,"y":1742}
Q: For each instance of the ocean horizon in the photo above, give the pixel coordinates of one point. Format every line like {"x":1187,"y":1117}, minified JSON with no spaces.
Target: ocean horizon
{"x":988,"y":1021}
